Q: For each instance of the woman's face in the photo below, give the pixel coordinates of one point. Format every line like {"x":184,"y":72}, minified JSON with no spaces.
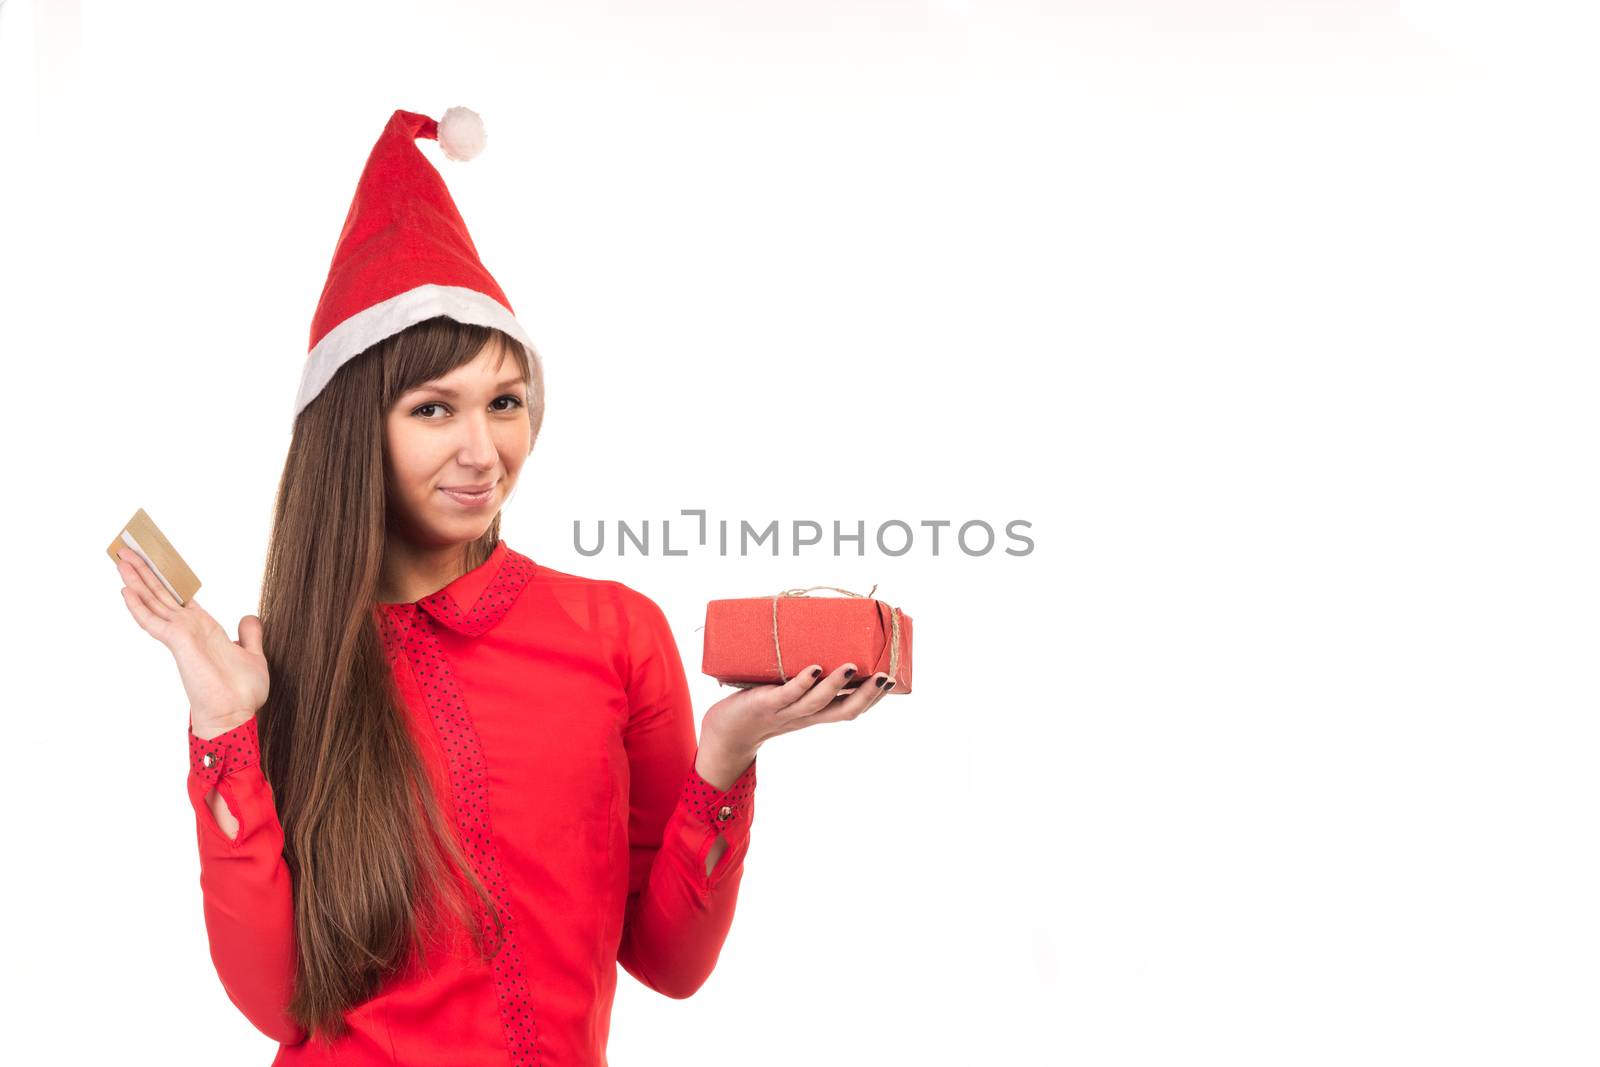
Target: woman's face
{"x":467,"y":430}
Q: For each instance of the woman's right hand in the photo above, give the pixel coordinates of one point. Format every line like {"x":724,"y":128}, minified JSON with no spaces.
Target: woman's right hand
{"x":226,"y":680}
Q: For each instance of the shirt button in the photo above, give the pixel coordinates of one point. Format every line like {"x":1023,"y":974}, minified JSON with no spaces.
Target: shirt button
{"x":724,"y":813}
{"x":209,"y":759}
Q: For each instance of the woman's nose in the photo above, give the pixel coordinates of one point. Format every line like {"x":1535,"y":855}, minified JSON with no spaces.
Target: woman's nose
{"x":478,"y":449}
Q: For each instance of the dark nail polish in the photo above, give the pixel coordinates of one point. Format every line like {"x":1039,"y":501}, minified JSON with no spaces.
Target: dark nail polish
{"x":888,"y":687}
{"x":849,"y":672}
{"x":881,"y":681}
{"x":817,"y":673}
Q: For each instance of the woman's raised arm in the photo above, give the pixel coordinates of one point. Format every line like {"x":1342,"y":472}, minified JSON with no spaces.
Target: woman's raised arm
{"x":244,"y":880}
{"x":678,"y":915}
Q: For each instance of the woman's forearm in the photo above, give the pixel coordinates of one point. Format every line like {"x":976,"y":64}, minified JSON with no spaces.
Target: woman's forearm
{"x":225,"y":819}
{"x":205,"y":727}
{"x":718,"y":847}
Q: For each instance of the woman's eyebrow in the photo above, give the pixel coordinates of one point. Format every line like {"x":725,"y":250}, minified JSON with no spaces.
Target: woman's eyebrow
{"x":447,"y":391}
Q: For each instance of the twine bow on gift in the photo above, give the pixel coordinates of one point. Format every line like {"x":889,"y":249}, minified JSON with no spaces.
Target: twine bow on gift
{"x":777,"y":648}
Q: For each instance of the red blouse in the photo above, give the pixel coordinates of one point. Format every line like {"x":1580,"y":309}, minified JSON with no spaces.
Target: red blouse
{"x":554,"y":714}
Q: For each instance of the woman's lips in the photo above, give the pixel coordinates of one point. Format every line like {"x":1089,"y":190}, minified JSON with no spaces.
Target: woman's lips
{"x":471,"y":500}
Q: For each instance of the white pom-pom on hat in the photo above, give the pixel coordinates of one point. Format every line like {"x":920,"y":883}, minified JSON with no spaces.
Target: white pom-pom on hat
{"x":461,"y":134}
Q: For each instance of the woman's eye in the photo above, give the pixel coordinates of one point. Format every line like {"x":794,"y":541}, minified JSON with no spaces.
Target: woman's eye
{"x":516,"y":401}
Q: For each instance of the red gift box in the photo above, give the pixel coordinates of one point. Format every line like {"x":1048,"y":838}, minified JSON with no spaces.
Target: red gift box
{"x":764,"y":640}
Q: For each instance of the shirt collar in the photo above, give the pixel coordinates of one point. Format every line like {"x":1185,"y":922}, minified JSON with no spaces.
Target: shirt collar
{"x":474,"y":602}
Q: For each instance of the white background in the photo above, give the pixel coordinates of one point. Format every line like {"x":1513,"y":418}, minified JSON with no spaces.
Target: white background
{"x":1276,"y":320}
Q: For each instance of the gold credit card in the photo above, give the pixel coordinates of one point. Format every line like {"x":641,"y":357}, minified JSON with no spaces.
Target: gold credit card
{"x":141,"y":536}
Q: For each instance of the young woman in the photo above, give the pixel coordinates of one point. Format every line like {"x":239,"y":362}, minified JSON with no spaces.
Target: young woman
{"x":440,"y":790}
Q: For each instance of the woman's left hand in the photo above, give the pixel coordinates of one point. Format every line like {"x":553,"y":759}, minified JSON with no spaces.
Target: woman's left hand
{"x":737,"y":725}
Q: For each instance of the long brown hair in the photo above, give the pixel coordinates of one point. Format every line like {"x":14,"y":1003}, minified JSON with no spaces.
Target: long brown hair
{"x":373,"y":857}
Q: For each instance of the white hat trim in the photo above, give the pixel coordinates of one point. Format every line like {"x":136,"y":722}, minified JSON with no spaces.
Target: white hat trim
{"x":366,"y":328}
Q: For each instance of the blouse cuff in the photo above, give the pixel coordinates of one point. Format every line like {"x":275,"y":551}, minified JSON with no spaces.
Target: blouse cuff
{"x":217,"y":757}
{"x":726,"y":810}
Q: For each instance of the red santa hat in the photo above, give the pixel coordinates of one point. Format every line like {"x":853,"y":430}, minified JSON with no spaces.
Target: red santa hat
{"x":404,"y":254}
